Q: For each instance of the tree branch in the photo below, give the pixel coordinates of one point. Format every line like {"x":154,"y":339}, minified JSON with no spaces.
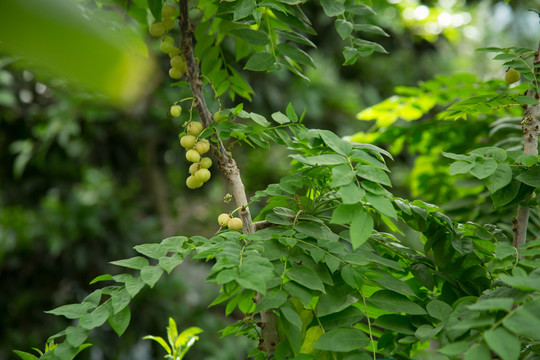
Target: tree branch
{"x":226,"y":163}
{"x":531,"y":131}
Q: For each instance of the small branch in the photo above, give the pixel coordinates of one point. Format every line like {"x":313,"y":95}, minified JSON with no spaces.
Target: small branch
{"x":227,"y":165}
{"x":531,"y":131}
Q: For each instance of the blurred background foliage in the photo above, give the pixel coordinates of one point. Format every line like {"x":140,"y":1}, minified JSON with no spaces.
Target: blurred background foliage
{"x":82,"y":182}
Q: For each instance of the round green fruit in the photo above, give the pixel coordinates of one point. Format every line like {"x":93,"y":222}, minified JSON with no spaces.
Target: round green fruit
{"x":219,"y":116}
{"x":512,"y":76}
{"x":194,"y":128}
{"x":205,"y":163}
{"x":223,"y":219}
{"x":193,"y":183}
{"x":175,"y":73}
{"x":193,"y":156}
{"x":168,"y":23}
{"x":234,"y":224}
{"x":202,"y":175}
{"x":188,"y":141}
{"x":176,"y":110}
{"x":168,"y":10}
{"x":175,"y":52}
{"x":202,"y":146}
{"x":179,"y":62}
{"x":194,"y":168}
{"x":157,"y":29}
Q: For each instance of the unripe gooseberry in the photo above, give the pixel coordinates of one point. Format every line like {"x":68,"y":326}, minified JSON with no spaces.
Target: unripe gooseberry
{"x":219,"y":116}
{"x":202,"y":175}
{"x":234,"y":224}
{"x":188,"y":141}
{"x":175,"y":73}
{"x":179,"y":62}
{"x":156,"y":29}
{"x":168,"y":23}
{"x":168,"y":10}
{"x":193,"y":156}
{"x":202,"y":146}
{"x":512,"y":76}
{"x":193,"y":183}
{"x":176,"y":110}
{"x":194,"y":128}
{"x":223,"y":219}
{"x":175,"y":52}
{"x":194,"y":168}
{"x":205,"y":163}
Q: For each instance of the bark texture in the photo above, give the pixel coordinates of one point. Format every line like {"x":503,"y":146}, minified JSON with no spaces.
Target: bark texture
{"x":226,"y":163}
{"x":531,"y":130}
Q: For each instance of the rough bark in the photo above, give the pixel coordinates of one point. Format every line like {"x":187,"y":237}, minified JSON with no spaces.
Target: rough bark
{"x":531,"y":130}
{"x":226,"y":163}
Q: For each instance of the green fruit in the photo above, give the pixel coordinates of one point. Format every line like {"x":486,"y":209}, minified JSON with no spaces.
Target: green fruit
{"x":512,"y":76}
{"x":193,"y":156}
{"x":175,"y":52}
{"x":168,"y":23}
{"x":234,"y":224}
{"x":175,"y":110}
{"x":175,"y":73}
{"x":203,"y":175}
{"x":168,"y":10}
{"x":205,"y":163}
{"x":178,"y":62}
{"x":219,"y":116}
{"x":188,"y":141}
{"x":194,"y":168}
{"x":193,"y":183}
{"x":223,"y":219}
{"x":202,"y":146}
{"x":194,"y":128}
{"x":157,"y":29}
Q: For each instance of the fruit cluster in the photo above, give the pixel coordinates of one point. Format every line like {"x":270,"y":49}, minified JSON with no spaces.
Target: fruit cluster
{"x":178,"y":61}
{"x":230,"y":222}
{"x":195,"y":147}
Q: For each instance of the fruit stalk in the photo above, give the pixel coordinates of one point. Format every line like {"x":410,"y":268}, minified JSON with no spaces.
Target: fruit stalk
{"x":531,"y":131}
{"x":227,"y":164}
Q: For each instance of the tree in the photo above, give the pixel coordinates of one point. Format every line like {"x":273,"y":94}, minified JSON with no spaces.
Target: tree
{"x":324,"y":271}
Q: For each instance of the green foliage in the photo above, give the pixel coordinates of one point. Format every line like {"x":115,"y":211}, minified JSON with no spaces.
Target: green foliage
{"x":179,"y":343}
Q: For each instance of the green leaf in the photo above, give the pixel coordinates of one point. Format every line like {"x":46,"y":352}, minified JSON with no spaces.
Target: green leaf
{"x":395,"y":303}
{"x":336,"y":143}
{"x":134,"y":285}
{"x":25,"y":356}
{"x":351,"y":194}
{"x":344,"y":28}
{"x":527,"y":160}
{"x":333,"y":7}
{"x":168,"y":263}
{"x":506,"y":345}
{"x":280,"y":118}
{"x":493,"y":304}
{"x":336,"y":299}
{"x":458,"y":156}
{"x":154,"y":251}
{"x":325,"y":159}
{"x":296,"y":37}
{"x":261,"y":61}
{"x":155,"y":8}
{"x":372,"y":173}
{"x":120,"y":321}
{"x":382,"y":205}
{"x":271,"y":300}
{"x":71,"y":311}
{"x":361,"y":227}
{"x":391,"y":283}
{"x":343,"y":214}
{"x":499,"y":179}
{"x":530,"y":177}
{"x":491,"y":152}
{"x":97,"y":317}
{"x":151,"y":274}
{"x":342,"y":175}
{"x":526,"y":283}
{"x":255,"y":37}
{"x":342,"y":340}
{"x":460,"y":167}
{"x":296,"y":54}
{"x":485,"y":169}
{"x":396,"y":323}
{"x":137,"y":262}
{"x":526,"y":100}
{"x":508,"y":193}
{"x":371,"y":29}
{"x":426,"y":332}
{"x":305,"y":276}
{"x":76,"y":336}
{"x":478,"y":352}
{"x":243,"y":8}
{"x":454,"y":349}
{"x":525,"y":320}
{"x":160,"y":341}
{"x":439,"y":309}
